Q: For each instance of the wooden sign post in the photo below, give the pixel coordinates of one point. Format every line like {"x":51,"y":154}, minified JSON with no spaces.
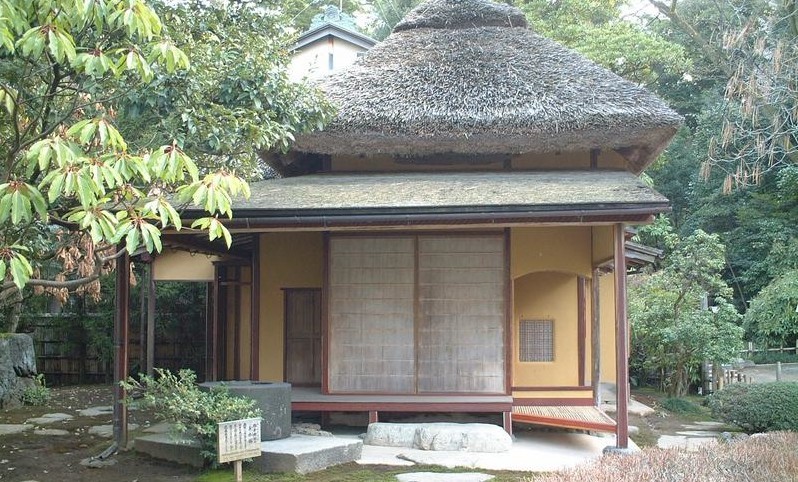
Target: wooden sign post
{"x":238,"y":440}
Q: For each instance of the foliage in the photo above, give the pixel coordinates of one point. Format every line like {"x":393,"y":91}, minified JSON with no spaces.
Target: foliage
{"x":595,"y":29}
{"x":672,"y":333}
{"x":178,"y":400}
{"x":72,"y":187}
{"x":761,"y":407}
{"x":752,"y":44}
{"x":769,"y":458}
{"x":770,"y":357}
{"x":680,"y":406}
{"x":232,"y":102}
{"x":38,"y":394}
{"x":389,"y":13}
{"x":772,"y":318}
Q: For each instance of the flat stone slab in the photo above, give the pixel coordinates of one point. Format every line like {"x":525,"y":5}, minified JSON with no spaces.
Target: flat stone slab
{"x":57,"y":432}
{"x":48,"y":418}
{"x":304,"y":454}
{"x":107,"y":431}
{"x":443,"y":477}
{"x":13,"y":428}
{"x":459,"y":437}
{"x":171,"y":447}
{"x":160,"y":427}
{"x":96,"y":411}
{"x":683,"y":442}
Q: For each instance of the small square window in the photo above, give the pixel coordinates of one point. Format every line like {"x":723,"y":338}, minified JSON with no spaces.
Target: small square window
{"x":536,"y":341}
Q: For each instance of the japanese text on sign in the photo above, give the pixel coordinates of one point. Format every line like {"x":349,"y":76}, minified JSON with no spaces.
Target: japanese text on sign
{"x":239,"y":439}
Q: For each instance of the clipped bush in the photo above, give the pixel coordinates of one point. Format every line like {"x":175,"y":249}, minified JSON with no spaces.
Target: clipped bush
{"x":680,"y":406}
{"x":762,"y":407}
{"x":178,"y":400}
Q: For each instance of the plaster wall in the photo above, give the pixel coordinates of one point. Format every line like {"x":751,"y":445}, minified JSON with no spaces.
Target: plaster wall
{"x":288,"y":260}
{"x":312,"y":60}
{"x":175,"y":265}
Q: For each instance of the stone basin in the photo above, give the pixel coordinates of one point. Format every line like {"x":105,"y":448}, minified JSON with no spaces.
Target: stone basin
{"x":274,"y":400}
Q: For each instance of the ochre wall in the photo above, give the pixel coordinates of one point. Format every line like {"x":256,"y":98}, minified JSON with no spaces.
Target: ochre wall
{"x":564,"y":249}
{"x":312,"y":60}
{"x":287,"y":260}
{"x":174,"y":265}
{"x":547,"y":296}
{"x":546,"y":262}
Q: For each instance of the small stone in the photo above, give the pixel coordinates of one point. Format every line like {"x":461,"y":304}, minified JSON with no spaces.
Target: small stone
{"x":94,"y":463}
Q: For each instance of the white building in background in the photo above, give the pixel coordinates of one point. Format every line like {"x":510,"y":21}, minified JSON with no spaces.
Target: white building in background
{"x":332,"y":43}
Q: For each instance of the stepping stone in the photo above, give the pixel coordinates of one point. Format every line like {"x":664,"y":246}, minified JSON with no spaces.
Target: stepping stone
{"x":443,"y":477}
{"x":13,"y":428}
{"x":460,"y":437}
{"x":304,"y":454}
{"x":699,"y":433}
{"x":96,"y":411}
{"x":51,"y":431}
{"x":107,"y":431}
{"x":180,"y":449}
{"x":160,"y":427}
{"x":48,"y":418}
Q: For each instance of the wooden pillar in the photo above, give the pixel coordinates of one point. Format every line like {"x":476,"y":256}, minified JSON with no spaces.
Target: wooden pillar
{"x":621,"y":340}
{"x":236,"y":287}
{"x":595,"y":338}
{"x":142,"y":331}
{"x":581,"y":327}
{"x":121,"y":322}
{"x":210,"y":303}
{"x":151,"y":319}
{"x":254,"y":325}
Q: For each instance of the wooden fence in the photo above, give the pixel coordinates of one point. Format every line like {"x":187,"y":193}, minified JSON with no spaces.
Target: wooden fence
{"x":751,"y":349}
{"x":67,"y":353}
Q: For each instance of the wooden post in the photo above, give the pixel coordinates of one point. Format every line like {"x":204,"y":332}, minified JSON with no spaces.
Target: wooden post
{"x":121,"y":321}
{"x":238,"y":470}
{"x":595,"y":339}
{"x":254,"y":324}
{"x":581,"y":327}
{"x":778,"y":371}
{"x":151,"y":320}
{"x":142,"y":331}
{"x":621,"y":340}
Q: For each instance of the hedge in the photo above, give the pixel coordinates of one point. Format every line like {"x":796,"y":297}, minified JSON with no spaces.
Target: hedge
{"x":762,"y":407}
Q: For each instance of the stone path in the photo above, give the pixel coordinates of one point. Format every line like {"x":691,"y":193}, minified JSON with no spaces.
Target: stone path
{"x":443,"y":477}
{"x":692,"y":436}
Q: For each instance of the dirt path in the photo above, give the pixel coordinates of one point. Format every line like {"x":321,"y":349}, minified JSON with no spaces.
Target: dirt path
{"x":43,"y":458}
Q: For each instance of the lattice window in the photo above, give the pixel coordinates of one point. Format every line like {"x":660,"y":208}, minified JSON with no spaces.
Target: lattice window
{"x":537,"y":341}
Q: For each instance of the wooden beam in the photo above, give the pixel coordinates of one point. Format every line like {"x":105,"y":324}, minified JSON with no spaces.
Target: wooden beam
{"x":151,"y":319}
{"x":621,"y":341}
{"x":254,"y":332}
{"x":581,"y":327}
{"x":595,"y":337}
{"x":121,"y":321}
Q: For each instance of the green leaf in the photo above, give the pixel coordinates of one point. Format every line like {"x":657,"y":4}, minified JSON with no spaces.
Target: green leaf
{"x":21,"y":270}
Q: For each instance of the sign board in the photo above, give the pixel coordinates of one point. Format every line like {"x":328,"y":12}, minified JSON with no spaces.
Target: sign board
{"x":239,"y":439}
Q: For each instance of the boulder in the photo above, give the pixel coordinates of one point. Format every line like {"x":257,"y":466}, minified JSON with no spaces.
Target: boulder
{"x":461,"y":437}
{"x":17,"y":367}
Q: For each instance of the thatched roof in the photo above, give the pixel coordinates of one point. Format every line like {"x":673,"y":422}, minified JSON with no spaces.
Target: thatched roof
{"x":467,"y":76}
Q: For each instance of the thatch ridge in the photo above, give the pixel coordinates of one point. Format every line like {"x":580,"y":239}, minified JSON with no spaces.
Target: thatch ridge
{"x":453,"y":14}
{"x":485,"y":90}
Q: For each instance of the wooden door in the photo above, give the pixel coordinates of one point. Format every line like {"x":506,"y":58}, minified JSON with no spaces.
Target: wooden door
{"x":303,"y":336}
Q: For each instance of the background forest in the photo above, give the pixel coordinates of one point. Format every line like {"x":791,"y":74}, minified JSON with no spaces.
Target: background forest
{"x":729,"y":270}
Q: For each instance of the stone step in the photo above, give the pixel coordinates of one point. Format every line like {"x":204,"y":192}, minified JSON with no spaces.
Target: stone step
{"x":304,"y":454}
{"x":171,"y":447}
{"x":440,"y":436}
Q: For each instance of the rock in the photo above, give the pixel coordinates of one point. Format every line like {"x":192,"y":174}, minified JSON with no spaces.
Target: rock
{"x":96,"y":411}
{"x":95,"y":463}
{"x":107,"y":431}
{"x":304,"y":428}
{"x":304,"y":454}
{"x":17,"y":367}
{"x":463,"y":437}
{"x":443,"y":477}
{"x":49,"y":418}
{"x":13,"y":428}
{"x":180,"y":449}
{"x":51,"y":431}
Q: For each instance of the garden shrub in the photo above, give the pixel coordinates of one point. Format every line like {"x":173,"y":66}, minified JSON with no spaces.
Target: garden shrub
{"x":680,"y":406}
{"x":762,"y":407}
{"x":37,"y":394}
{"x":178,"y":400}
